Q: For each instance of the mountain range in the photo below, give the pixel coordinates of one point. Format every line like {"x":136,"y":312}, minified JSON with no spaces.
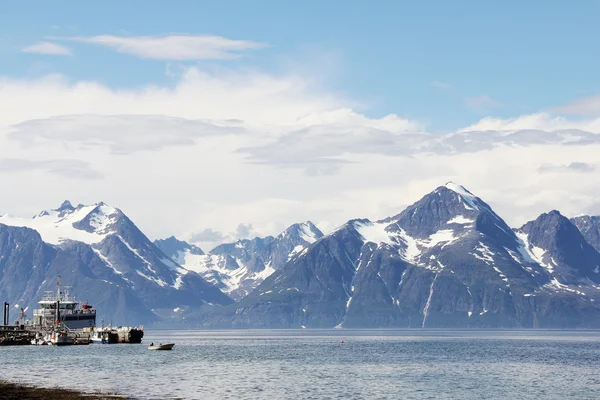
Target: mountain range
{"x":109,"y":262}
{"x":447,"y":260}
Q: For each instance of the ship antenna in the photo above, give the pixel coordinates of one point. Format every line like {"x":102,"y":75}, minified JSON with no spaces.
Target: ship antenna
{"x":68,"y":292}
{"x":58,"y":287}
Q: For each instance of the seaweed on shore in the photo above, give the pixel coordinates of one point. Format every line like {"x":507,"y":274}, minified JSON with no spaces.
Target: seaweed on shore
{"x":17,"y":391}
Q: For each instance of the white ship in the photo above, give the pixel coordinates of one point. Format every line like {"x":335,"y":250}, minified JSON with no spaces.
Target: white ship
{"x":63,"y":309}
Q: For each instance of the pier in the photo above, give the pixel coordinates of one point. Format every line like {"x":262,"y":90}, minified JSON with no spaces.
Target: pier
{"x":60,"y":321}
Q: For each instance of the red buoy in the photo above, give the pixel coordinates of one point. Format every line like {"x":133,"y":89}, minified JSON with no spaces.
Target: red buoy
{"x":342,"y":341}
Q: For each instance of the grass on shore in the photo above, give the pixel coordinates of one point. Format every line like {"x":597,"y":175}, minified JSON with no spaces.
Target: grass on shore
{"x":17,"y":391}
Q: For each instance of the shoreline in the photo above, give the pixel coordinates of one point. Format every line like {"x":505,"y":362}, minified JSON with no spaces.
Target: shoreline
{"x":17,"y":390}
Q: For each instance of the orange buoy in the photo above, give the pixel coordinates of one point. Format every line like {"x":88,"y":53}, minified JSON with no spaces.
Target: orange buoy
{"x":342,"y":341}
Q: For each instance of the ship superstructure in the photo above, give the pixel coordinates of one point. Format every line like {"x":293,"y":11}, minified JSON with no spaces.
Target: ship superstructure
{"x":62,"y":308}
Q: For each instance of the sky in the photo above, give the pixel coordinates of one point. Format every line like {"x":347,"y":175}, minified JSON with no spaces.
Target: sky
{"x":213,"y":121}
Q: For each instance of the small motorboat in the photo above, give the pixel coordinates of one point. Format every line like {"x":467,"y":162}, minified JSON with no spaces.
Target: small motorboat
{"x":161,"y":346}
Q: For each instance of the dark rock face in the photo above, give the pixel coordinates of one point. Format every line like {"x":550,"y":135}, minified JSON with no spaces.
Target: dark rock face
{"x":589,"y":228}
{"x":446,"y":261}
{"x":124,"y":275}
{"x":567,"y":256}
{"x":172,"y":247}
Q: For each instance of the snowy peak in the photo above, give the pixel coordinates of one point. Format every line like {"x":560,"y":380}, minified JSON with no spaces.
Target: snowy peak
{"x":88,"y":224}
{"x":464,"y":194}
{"x":303,"y":232}
{"x":66,"y":206}
{"x":238,"y":267}
{"x":451,"y":207}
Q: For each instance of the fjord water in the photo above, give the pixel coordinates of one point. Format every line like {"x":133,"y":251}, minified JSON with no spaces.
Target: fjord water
{"x":314,"y":364}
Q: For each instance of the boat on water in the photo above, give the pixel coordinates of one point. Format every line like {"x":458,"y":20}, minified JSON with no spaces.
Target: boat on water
{"x":161,"y":346}
{"x":63,"y":308}
{"x":119,"y":334}
{"x":104,"y":336}
{"x":61,"y":320}
{"x":61,"y":338}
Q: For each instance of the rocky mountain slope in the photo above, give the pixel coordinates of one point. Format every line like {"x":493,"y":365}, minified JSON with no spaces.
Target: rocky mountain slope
{"x":446,"y":261}
{"x":237,"y":268}
{"x":109,"y":262}
{"x":590,"y":229}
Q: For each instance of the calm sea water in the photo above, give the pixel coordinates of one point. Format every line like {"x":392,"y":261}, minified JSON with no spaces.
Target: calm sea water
{"x":380,"y":364}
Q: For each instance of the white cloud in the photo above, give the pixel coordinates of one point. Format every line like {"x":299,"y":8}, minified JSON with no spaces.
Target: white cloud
{"x":47,"y":48}
{"x":199,"y":156}
{"x":173,"y":47}
{"x":541,"y":121}
{"x":254,"y":97}
{"x":121,"y":134}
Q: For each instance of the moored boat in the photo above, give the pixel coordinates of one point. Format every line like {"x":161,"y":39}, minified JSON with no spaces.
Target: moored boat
{"x":161,"y":346}
{"x":63,"y":307}
{"x":61,"y":339}
{"x":105,"y":336}
{"x":129,"y":334}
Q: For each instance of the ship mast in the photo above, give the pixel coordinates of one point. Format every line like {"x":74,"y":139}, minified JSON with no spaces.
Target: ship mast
{"x":58,"y":288}
{"x":58,"y":301}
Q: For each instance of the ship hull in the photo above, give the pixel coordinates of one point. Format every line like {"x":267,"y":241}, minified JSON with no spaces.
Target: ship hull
{"x":132,"y":335}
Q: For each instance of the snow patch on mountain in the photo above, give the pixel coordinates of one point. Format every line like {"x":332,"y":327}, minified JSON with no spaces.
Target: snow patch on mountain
{"x":308,"y":232}
{"x":373,"y":232}
{"x":469,"y":198}
{"x":531,"y":253}
{"x":460,"y":219}
{"x":58,"y":225}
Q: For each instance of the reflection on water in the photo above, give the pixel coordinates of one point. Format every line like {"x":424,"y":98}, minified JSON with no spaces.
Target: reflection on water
{"x":314,"y":364}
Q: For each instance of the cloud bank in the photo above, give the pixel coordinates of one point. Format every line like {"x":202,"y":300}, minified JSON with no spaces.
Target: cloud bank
{"x":233,"y":153}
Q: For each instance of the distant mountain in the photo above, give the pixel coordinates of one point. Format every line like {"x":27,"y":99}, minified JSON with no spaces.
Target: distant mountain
{"x":589,"y":228}
{"x":106,"y":258}
{"x":446,"y":261}
{"x":556,"y":244}
{"x":237,"y":268}
{"x":176,"y":249}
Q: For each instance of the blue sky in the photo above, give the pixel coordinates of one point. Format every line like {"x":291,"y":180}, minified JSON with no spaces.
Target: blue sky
{"x":522,"y":57}
{"x":226,"y":119}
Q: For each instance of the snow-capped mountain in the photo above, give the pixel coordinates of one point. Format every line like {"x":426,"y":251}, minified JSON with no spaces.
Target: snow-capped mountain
{"x":237,"y":268}
{"x":447,"y":260}
{"x":106,"y":258}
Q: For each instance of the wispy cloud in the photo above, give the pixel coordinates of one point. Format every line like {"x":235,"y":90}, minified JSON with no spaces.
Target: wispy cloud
{"x":65,"y":168}
{"x":440,"y":85}
{"x":571,"y":167}
{"x":585,"y":106}
{"x":481,"y":104}
{"x":48,"y":48}
{"x":173,"y":47}
{"x":208,"y":237}
{"x":121,"y":134}
{"x":538,"y":121}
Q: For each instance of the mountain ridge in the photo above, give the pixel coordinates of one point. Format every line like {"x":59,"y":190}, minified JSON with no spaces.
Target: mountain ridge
{"x":448,"y":260}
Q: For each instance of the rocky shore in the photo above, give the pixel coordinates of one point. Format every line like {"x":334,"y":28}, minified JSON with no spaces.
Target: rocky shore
{"x":17,"y":391}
